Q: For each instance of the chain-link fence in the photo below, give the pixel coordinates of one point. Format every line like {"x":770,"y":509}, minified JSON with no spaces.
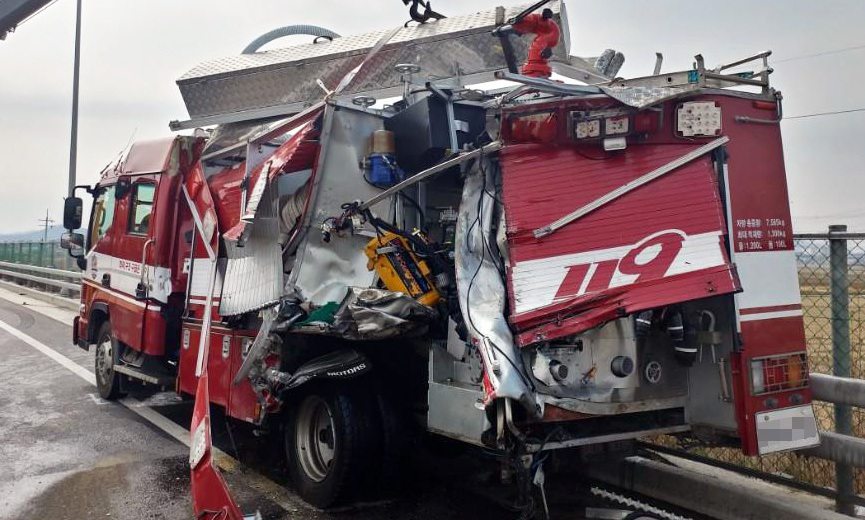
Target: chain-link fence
{"x":833,"y":306}
{"x":41,"y":254}
{"x":834,"y":329}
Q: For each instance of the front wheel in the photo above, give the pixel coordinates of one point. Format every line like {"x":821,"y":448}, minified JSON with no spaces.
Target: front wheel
{"x":107,"y":379}
{"x":328,"y":443}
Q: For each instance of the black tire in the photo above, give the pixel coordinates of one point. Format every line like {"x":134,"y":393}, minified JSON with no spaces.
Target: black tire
{"x":329,"y":443}
{"x":107,"y":380}
{"x":397,"y":438}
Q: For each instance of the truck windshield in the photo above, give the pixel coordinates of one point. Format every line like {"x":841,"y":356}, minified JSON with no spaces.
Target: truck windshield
{"x":103,"y":216}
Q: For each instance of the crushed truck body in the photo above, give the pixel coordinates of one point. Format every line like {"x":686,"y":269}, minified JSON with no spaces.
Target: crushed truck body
{"x":453,"y":227}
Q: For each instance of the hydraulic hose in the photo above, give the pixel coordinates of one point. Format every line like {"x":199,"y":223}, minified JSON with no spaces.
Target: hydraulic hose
{"x":288,"y":30}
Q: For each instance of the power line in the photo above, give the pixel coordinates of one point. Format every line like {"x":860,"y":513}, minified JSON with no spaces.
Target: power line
{"x":816,"y":114}
{"x":818,"y":54}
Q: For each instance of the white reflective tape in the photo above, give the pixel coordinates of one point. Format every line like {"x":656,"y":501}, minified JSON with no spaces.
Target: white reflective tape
{"x":770,"y":315}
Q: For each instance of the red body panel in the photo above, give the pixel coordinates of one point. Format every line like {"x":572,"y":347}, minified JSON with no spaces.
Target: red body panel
{"x":770,"y":306}
{"x":239,"y":400}
{"x":243,"y":404}
{"x":660,"y":244}
{"x":211,"y":499}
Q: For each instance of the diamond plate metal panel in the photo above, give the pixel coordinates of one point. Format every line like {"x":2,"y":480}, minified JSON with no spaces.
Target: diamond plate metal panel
{"x":641,"y":97}
{"x":447,"y":48}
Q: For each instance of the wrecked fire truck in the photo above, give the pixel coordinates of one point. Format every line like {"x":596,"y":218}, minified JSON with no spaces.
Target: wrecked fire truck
{"x":459,"y":228}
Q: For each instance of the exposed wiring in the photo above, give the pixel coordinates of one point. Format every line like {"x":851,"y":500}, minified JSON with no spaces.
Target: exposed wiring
{"x":817,"y":114}
{"x":819,"y":54}
{"x":478,"y":222}
{"x":404,"y":196}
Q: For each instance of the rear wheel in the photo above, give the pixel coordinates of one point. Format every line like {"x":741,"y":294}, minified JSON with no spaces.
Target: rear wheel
{"x":107,"y":380}
{"x":328,"y":444}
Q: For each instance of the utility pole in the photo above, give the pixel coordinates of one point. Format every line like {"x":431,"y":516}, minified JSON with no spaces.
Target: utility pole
{"x":46,"y":221}
{"x":73,"y":140}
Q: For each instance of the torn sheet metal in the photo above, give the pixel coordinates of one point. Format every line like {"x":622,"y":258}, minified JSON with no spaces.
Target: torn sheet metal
{"x":260,"y":345}
{"x":482,"y":293}
{"x":659,"y":244}
{"x":324,"y":270}
{"x":368,"y":314}
{"x":253,"y":274}
{"x":298,"y":153}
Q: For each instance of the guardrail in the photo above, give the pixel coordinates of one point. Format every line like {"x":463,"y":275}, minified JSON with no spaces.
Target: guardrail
{"x":65,"y":281}
{"x":832,"y":284}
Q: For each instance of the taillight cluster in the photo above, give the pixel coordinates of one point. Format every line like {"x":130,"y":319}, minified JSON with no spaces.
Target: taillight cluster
{"x":779,"y":373}
{"x":541,"y":127}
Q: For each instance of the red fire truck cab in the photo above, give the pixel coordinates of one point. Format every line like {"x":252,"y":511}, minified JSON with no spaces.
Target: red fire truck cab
{"x":529,"y":268}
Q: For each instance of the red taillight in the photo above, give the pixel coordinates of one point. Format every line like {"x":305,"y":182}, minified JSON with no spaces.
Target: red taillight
{"x":779,"y":373}
{"x":646,"y":121}
{"x":765,"y":105}
{"x":534,"y":128}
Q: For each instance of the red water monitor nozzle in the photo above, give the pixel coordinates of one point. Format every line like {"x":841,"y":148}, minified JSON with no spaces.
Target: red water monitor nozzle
{"x":546,"y":33}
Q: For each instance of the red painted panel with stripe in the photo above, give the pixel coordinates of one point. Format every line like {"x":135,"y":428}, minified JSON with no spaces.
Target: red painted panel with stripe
{"x":659,"y":244}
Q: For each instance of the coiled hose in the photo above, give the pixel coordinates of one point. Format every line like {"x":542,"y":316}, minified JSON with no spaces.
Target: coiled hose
{"x":288,"y":30}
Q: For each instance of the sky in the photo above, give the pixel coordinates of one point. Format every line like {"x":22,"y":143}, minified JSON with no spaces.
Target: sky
{"x":134,"y":50}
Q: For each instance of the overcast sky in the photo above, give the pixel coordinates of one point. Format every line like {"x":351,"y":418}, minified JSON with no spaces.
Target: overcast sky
{"x":134,"y":50}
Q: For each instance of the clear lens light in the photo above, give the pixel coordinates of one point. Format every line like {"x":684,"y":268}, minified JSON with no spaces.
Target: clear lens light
{"x":758,"y":383}
{"x":696,"y":118}
{"x":616,"y":125}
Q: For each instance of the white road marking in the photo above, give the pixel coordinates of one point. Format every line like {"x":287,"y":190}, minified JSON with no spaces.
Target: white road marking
{"x":275,"y":492}
{"x":64,"y":361}
{"x":172,"y":429}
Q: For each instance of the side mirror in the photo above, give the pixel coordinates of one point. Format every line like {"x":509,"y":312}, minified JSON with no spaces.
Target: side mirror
{"x":74,"y":243}
{"x":72,"y":210}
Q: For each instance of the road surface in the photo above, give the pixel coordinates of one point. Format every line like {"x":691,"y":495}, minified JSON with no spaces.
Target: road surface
{"x":67,"y":454}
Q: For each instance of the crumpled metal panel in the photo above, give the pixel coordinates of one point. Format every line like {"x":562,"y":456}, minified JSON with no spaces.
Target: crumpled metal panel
{"x":253,"y":274}
{"x":323,"y":271}
{"x":482,"y":293}
{"x":660,"y":244}
{"x":298,"y":153}
{"x":230,"y":135}
{"x":457,"y":46}
{"x":369,"y":313}
{"x":641,"y":97}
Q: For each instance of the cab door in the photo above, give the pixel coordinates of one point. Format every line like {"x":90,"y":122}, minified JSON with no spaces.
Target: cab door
{"x":121,"y":234}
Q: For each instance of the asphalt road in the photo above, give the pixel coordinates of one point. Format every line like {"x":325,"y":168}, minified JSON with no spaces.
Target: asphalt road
{"x":67,"y":454}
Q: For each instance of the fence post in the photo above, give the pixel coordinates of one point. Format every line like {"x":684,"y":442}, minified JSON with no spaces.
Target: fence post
{"x":841,"y":355}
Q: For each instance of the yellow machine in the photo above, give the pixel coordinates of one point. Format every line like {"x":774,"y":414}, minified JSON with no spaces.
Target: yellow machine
{"x":400,"y":269}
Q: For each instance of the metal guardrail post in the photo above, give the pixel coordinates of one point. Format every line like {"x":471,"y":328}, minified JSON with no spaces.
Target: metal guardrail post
{"x":840,"y":288}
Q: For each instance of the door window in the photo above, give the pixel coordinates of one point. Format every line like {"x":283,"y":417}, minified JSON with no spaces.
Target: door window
{"x":142,"y":206}
{"x":103,"y":215}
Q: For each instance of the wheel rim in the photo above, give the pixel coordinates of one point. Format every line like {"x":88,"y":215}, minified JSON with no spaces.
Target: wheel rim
{"x":315,"y":443}
{"x":104,"y":360}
